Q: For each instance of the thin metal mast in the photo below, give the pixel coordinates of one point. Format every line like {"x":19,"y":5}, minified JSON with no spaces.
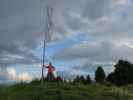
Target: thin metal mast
{"x":48,"y":27}
{"x":44,"y":53}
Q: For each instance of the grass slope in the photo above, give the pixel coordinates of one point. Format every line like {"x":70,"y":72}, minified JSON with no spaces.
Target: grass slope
{"x":64,"y":91}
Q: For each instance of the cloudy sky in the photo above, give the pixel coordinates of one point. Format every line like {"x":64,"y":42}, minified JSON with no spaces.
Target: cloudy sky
{"x":85,"y":34}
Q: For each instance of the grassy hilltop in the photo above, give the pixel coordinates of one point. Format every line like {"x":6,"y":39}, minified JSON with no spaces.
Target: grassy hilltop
{"x":65,"y":91}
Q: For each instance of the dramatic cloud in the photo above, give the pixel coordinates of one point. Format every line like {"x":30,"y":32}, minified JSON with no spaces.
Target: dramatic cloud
{"x":9,"y":75}
{"x":107,"y":25}
{"x":89,"y":55}
{"x":99,"y":52}
{"x":18,"y":30}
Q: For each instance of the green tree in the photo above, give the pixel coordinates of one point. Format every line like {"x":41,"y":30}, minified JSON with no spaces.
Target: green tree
{"x":88,"y":79}
{"x":123,"y":73}
{"x":111,"y":77}
{"x":99,"y":75}
{"x":82,"y":79}
{"x":77,"y":79}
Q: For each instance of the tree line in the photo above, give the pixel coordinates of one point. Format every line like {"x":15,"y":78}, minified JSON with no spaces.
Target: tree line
{"x":122,"y":75}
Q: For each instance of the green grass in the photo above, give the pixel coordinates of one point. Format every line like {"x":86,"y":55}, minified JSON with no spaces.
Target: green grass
{"x":65,"y":91}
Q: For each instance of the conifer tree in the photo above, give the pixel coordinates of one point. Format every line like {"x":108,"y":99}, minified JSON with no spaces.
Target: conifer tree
{"x":99,"y":75}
